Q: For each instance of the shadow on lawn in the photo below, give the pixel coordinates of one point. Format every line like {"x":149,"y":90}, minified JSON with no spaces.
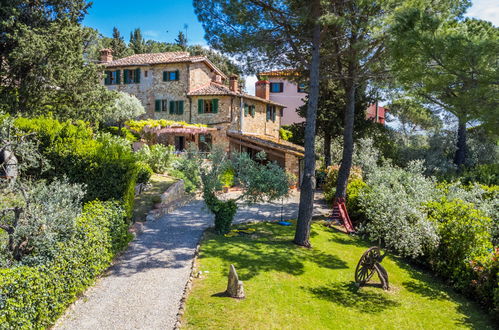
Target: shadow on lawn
{"x":277,"y":253}
{"x":349,"y":295}
{"x":427,"y":285}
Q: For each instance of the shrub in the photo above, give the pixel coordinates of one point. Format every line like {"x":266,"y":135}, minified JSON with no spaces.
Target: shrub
{"x":285,"y":134}
{"x":332,"y":176}
{"x":227,"y":177}
{"x":144,"y":172}
{"x":392,"y":207}
{"x":224,"y":211}
{"x":104,"y":163}
{"x":46,"y":217}
{"x":187,"y":167}
{"x":159,"y":157}
{"x":354,"y":188}
{"x":33,"y":297}
{"x":464,"y":235}
{"x":487,"y":174}
{"x":123,"y":132}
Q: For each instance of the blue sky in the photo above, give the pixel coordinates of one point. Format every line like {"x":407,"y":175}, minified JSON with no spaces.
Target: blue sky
{"x":158,"y":19}
{"x":162,"y":19}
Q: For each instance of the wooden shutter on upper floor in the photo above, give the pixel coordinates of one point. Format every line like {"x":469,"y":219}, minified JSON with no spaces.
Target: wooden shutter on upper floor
{"x":200,"y":106}
{"x":137,"y":75}
{"x":214,"y":104}
{"x":118,"y":77}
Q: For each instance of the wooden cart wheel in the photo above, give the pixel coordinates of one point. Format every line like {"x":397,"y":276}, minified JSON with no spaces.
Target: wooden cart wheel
{"x":365,"y":268}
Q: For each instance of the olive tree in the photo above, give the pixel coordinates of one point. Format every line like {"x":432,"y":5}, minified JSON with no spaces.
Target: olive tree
{"x":260,"y":182}
{"x":125,"y":107}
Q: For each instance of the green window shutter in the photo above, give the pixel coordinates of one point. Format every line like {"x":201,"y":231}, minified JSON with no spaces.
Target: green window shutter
{"x":177,"y":75}
{"x":118,"y":77}
{"x":157,"y":107}
{"x":106,"y":78}
{"x":214,"y":104}
{"x":137,"y":75}
{"x":172,"y":107}
{"x":125,"y":76}
{"x":273,"y":113}
{"x":268,"y":111}
{"x":165,"y":75}
{"x":180,"y":109}
{"x":246,"y":109}
{"x":281,"y":87}
{"x":200,"y":106}
{"x":252,"y":111}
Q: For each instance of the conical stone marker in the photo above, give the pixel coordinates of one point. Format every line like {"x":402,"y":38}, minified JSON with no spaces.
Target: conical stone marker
{"x":234,"y":287}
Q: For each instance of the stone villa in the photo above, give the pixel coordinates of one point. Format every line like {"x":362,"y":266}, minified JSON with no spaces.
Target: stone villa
{"x":177,"y":86}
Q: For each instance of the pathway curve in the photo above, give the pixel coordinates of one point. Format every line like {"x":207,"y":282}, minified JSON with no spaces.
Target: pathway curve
{"x":142,"y":290}
{"x":144,"y":287}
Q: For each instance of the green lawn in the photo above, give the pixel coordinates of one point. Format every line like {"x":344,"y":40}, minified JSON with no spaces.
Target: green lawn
{"x":289,"y":287}
{"x":145,"y":201}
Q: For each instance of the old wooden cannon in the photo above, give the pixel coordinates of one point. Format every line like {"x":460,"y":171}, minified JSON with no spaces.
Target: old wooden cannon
{"x":368,"y":264}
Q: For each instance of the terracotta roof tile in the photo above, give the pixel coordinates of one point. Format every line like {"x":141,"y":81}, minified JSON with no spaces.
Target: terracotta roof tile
{"x":162,"y":58}
{"x":271,"y":142}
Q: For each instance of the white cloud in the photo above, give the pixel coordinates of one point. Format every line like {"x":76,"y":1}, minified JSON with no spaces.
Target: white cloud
{"x":485,"y":9}
{"x":151,"y":33}
{"x":250,"y":84}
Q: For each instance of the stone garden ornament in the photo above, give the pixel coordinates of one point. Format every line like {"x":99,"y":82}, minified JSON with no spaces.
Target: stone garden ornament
{"x":234,"y":287}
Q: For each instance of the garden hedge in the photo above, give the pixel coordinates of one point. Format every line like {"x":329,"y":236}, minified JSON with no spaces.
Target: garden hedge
{"x":104,"y":163}
{"x":33,"y":297}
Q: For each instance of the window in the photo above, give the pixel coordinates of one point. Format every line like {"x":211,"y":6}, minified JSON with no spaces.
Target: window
{"x":170,"y":75}
{"x":176,"y":107}
{"x":252,"y":110}
{"x":271,"y":112}
{"x":246,"y":110}
{"x":208,"y":106}
{"x":112,"y":77}
{"x":205,"y":142}
{"x":164,"y":105}
{"x":302,"y":88}
{"x":276,"y":87}
{"x":131,"y":76}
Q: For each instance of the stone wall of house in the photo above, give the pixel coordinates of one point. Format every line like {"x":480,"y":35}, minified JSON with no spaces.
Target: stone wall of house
{"x":200,"y":75}
{"x":152,"y":88}
{"x":259,"y":123}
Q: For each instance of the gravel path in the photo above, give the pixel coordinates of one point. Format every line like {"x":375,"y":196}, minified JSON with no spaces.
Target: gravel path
{"x":144,"y":287}
{"x":142,"y":290}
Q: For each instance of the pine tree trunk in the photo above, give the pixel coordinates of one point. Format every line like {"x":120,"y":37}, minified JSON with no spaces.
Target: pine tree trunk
{"x":327,"y":148}
{"x":346,"y":162}
{"x":305,"y":211}
{"x":462,"y":149}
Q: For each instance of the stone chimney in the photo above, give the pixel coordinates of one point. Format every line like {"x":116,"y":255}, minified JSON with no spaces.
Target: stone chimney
{"x":234,"y":83}
{"x":262,"y":89}
{"x":106,"y":55}
{"x":217,"y":79}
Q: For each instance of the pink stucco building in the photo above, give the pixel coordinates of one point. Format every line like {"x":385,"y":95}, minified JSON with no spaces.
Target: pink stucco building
{"x":285,"y":91}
